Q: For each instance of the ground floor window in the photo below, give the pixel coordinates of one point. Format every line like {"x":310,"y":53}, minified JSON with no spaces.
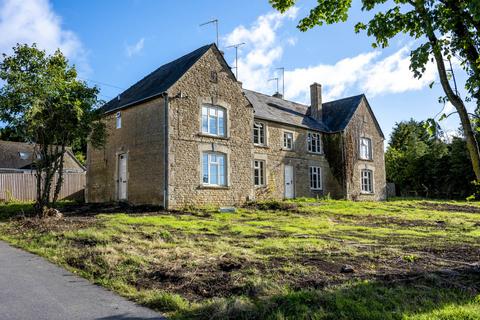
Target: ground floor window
{"x":367,"y":181}
{"x":316,"y":178}
{"x":259,"y":172}
{"x":214,"y":168}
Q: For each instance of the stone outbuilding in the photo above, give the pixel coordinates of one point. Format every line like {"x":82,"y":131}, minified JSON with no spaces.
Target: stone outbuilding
{"x":189,"y":134}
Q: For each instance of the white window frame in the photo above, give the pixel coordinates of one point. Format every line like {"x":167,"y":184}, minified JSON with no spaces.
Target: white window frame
{"x":365,"y":145}
{"x":118,"y":120}
{"x":287,"y":135}
{"x":314,"y":147}
{"x":220,"y":122}
{"x":316,"y":178}
{"x":261,"y":128}
{"x":366,"y":181}
{"x":210,"y":164}
{"x":260,"y":167}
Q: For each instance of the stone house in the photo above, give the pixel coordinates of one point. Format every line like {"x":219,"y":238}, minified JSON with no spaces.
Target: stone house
{"x":189,"y":134}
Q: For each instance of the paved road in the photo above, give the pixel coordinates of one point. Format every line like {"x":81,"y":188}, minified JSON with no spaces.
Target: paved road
{"x":32,"y":288}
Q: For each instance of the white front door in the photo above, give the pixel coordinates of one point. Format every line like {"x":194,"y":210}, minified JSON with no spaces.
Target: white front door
{"x":289,"y":186}
{"x":122,"y":176}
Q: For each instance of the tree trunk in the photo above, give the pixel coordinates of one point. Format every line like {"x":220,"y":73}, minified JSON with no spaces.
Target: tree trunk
{"x":58,"y":185}
{"x":456,"y":101}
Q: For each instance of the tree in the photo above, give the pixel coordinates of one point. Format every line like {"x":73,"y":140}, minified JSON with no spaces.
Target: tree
{"x":445,"y":28}
{"x":43,"y":102}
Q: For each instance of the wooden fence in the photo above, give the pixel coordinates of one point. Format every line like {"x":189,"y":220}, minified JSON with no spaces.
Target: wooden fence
{"x":22,"y":186}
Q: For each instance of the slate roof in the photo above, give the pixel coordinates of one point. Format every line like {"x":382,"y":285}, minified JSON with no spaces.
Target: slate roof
{"x":158,"y":81}
{"x":283,"y":111}
{"x":336,"y":114}
{"x":10,"y":157}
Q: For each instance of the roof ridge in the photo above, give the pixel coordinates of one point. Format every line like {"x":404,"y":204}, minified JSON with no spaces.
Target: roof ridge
{"x":350,"y":97}
{"x":267,"y":95}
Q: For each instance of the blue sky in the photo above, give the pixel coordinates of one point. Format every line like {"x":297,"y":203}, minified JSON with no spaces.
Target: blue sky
{"x":116,"y":43}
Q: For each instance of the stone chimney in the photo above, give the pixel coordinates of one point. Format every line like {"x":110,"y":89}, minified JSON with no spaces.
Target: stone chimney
{"x":316,"y":101}
{"x":277,"y":95}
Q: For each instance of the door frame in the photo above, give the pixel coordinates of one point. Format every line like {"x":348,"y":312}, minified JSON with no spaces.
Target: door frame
{"x":285,"y":181}
{"x":117,"y":195}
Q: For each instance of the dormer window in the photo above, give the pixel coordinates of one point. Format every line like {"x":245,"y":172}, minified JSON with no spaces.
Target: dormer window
{"x":213,"y":120}
{"x":118,"y":120}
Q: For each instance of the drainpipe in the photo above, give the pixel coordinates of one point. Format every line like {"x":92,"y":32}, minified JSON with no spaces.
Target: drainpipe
{"x":165,"y":155}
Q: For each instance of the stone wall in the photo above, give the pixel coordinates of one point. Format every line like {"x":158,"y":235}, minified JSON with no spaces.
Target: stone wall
{"x":276,"y":157}
{"x":186,"y":142}
{"x":141,"y":138}
{"x":363,"y":125}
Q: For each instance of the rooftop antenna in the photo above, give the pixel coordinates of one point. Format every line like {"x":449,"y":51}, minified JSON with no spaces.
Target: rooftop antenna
{"x":236,"y":56}
{"x":216,"y":26}
{"x":274,"y":79}
{"x":283,"y":80}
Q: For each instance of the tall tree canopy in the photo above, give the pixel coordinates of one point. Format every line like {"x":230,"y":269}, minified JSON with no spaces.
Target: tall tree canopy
{"x":443,"y":29}
{"x":422,"y":165}
{"x":43,"y":102}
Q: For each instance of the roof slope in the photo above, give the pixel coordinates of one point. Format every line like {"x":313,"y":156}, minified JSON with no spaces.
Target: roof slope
{"x":336,"y":114}
{"x":279,"y":110}
{"x":19,"y":155}
{"x":158,"y":81}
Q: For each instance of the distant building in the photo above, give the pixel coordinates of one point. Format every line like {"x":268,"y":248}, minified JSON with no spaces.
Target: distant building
{"x":19,"y":157}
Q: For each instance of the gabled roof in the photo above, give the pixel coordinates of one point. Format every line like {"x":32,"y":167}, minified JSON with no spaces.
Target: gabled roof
{"x":156,"y":82}
{"x":283,"y":111}
{"x":19,"y":155}
{"x":336,"y":114}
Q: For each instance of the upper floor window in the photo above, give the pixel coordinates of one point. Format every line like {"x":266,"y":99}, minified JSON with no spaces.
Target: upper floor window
{"x":259,"y":133}
{"x":367,"y":181}
{"x":316,"y":178}
{"x":365,"y":148}
{"x":259,"y":172}
{"x":213,"y":120}
{"x":118,"y":120}
{"x":288,"y":140}
{"x":314,"y":142}
{"x":214,"y":169}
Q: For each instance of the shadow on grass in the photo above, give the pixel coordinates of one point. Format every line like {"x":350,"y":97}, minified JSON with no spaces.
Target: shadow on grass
{"x":442,"y":295}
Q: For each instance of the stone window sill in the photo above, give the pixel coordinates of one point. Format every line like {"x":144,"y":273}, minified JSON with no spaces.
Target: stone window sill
{"x":210,"y":187}
{"x":316,"y":153}
{"x":261,"y":146}
{"x":288,"y":150}
{"x":363,"y":193}
{"x":369,"y":160}
{"x":206,"y":135}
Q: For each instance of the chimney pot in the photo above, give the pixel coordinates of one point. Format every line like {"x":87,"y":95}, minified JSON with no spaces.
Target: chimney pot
{"x":277,"y":95}
{"x":316,"y":101}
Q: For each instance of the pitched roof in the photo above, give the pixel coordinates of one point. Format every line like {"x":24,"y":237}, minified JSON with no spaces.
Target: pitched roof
{"x":158,"y":81}
{"x":19,"y":155}
{"x":336,"y":114}
{"x":283,"y":111}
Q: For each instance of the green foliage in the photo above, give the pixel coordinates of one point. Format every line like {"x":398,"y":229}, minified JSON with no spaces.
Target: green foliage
{"x":421,"y":164}
{"x":442,"y":28}
{"x":43,"y":102}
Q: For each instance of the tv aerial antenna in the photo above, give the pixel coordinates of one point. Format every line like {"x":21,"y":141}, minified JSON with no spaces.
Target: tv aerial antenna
{"x":274,"y":79}
{"x":283,"y":80}
{"x":215,"y":21}
{"x":236,"y":56}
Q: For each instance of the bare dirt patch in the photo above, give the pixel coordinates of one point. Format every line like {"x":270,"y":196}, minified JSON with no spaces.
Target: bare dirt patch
{"x":450,"y":207}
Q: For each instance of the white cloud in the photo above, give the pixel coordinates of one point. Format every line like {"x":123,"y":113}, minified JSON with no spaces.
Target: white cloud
{"x":34,"y":21}
{"x":369,"y":72}
{"x":262,"y":46}
{"x":135,"y":49}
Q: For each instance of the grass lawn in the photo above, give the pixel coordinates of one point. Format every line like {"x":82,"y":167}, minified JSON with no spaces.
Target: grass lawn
{"x":411,"y":259}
